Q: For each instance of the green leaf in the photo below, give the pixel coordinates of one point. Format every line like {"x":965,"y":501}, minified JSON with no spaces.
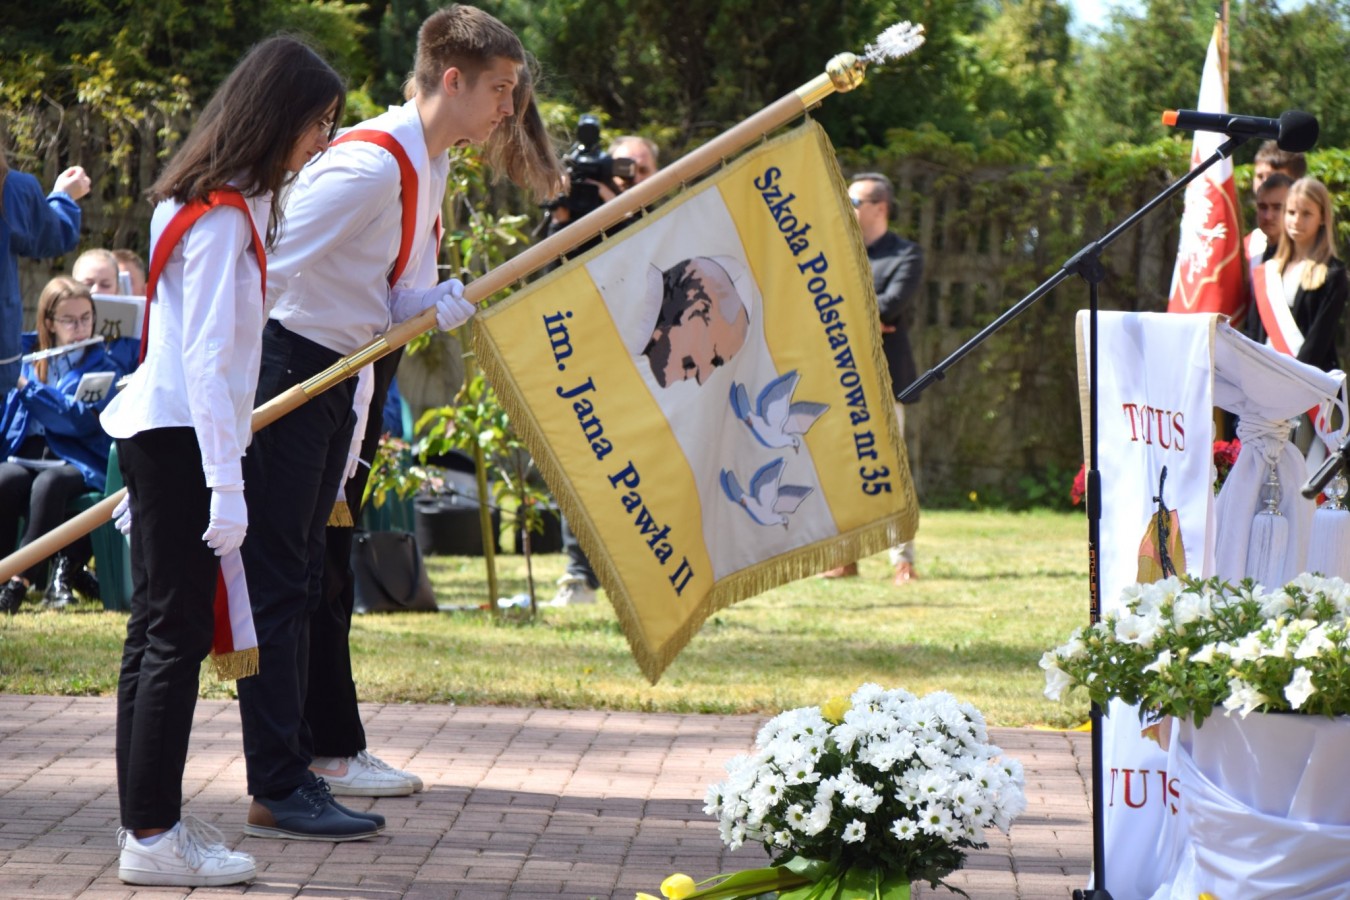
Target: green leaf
{"x":750,"y":883}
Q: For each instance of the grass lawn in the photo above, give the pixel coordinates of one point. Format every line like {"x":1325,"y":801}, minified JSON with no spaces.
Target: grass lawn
{"x":997,"y":590}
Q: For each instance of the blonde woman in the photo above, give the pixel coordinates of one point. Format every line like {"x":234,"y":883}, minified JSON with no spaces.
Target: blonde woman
{"x":54,"y":448}
{"x":1301,"y":291}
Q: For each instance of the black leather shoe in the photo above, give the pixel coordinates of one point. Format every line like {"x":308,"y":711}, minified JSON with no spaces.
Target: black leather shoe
{"x":58,"y":594}
{"x":373,"y":818}
{"x":12,"y":595}
{"x":305,"y":815}
{"x":83,"y":582}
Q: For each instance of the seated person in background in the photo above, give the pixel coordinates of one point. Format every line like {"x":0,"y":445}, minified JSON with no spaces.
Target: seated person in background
{"x":131,"y":270}
{"x":97,"y":270}
{"x":54,"y":449}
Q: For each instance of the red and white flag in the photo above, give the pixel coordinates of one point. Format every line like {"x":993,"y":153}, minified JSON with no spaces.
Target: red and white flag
{"x":1208,"y":273}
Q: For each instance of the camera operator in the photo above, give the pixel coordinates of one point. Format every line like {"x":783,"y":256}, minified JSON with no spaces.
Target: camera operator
{"x":594,"y":182}
{"x":595,"y":177}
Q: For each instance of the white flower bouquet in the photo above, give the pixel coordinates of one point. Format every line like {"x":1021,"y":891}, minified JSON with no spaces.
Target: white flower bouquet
{"x":861,"y":797}
{"x":1184,"y":647}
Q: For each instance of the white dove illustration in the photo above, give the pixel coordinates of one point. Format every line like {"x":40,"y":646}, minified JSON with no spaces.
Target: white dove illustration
{"x":768,"y":502}
{"x":776,"y":421}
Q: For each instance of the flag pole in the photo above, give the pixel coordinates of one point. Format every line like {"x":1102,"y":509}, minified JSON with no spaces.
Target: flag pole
{"x":843,"y":73}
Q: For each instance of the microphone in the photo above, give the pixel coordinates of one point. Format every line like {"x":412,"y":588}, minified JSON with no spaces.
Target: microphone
{"x":1294,"y":131}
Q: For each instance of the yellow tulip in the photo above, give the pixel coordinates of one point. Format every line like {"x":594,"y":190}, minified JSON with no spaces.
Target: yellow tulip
{"x":678,"y":886}
{"x":833,"y":710}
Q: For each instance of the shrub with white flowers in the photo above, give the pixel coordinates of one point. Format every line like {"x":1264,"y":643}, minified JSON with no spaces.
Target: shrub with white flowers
{"x":885,"y":782}
{"x":1184,"y":647}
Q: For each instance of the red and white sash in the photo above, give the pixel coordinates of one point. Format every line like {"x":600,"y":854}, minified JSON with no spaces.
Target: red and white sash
{"x":178,"y":226}
{"x":408,"y":191}
{"x":1272,"y":304}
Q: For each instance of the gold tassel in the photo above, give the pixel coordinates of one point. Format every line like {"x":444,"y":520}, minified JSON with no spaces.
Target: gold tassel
{"x":341,"y":516}
{"x":236,"y":665}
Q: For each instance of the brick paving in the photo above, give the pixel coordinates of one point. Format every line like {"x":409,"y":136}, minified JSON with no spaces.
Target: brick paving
{"x":519,"y":803}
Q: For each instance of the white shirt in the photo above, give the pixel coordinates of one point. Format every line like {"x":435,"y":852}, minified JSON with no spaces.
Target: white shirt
{"x":329,"y":273}
{"x":206,"y":321}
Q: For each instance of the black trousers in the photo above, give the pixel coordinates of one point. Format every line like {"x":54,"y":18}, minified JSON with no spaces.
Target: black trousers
{"x":330,"y":707}
{"x":173,"y":577}
{"x":291,"y":476}
{"x":42,"y":496}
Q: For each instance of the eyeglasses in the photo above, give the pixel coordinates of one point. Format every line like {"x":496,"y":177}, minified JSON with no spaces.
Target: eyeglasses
{"x":326,"y":125}
{"x":859,"y":201}
{"x":71,"y":322}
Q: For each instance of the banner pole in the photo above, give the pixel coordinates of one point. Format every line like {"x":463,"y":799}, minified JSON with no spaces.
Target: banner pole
{"x":843,"y":73}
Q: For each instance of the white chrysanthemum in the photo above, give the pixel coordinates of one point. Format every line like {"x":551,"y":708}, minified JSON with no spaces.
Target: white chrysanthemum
{"x":855,"y":831}
{"x":936,"y":819}
{"x":818,"y":819}
{"x":712,"y":801}
{"x":905,"y":829}
{"x":767,"y":792}
{"x":796,"y":817}
{"x":846,"y":735}
{"x":781,"y":838}
{"x":1300,"y":687}
{"x":860,"y":796}
{"x":801,"y":772}
{"x":933,"y":756}
{"x":933,"y":784}
{"x":909,"y":795}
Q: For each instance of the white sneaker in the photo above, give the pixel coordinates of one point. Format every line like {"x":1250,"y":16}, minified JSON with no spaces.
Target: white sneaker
{"x":362,"y":775}
{"x":572,"y":591}
{"x":191,"y":854}
{"x":374,"y":762}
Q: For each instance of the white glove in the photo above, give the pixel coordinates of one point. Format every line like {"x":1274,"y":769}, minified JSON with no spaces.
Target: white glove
{"x":452,"y":310}
{"x":229,"y":520}
{"x":122,"y":515}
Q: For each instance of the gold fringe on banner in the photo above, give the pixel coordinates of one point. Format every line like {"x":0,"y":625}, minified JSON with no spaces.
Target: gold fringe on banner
{"x":236,"y":665}
{"x":341,"y":516}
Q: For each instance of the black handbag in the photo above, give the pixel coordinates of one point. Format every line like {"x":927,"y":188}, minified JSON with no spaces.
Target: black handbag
{"x":388,"y":573}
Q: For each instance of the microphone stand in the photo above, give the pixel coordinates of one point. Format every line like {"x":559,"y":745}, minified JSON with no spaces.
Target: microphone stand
{"x":1087,"y":264}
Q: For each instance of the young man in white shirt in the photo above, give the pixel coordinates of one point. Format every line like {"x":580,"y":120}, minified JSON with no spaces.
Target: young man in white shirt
{"x":343,"y":272}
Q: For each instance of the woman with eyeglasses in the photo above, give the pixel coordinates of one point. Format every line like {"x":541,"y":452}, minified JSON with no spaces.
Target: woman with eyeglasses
{"x":182,"y":425}
{"x":54,"y":448}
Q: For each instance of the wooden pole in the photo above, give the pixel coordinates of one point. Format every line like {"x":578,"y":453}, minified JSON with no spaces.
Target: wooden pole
{"x":843,"y":73}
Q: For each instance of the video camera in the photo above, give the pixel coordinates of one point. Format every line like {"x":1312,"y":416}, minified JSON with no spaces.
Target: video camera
{"x":588,"y":166}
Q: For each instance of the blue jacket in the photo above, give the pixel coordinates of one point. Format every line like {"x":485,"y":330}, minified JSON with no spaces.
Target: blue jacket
{"x":37,"y":227}
{"x":72,"y":427}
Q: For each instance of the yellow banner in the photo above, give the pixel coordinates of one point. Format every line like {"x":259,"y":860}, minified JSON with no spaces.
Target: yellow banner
{"x":706,"y":396}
